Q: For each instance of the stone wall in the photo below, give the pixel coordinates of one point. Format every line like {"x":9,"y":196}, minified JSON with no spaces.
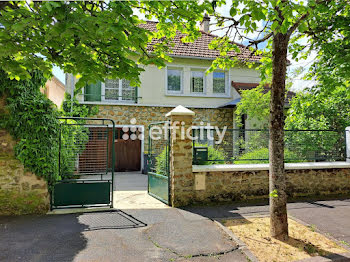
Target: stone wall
{"x":251,"y":185}
{"x":21,"y":192}
{"x":146,"y":115}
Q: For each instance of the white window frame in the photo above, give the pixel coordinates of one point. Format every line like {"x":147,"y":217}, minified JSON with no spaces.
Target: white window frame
{"x":199,"y":69}
{"x":120,"y":93}
{"x":227,"y":84}
{"x":181,"y":80}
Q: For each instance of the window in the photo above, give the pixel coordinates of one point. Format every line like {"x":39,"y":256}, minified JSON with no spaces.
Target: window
{"x":197,"y":81}
{"x":116,"y":89}
{"x":128,"y":91}
{"x":174,"y":76}
{"x":219,"y":82}
{"x":111,"y":89}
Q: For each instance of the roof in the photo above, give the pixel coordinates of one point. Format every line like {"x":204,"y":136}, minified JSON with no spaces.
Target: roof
{"x":248,"y":86}
{"x":199,"y":48}
{"x":231,"y":104}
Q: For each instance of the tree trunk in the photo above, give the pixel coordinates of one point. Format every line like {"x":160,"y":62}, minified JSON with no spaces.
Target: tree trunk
{"x":278,"y":204}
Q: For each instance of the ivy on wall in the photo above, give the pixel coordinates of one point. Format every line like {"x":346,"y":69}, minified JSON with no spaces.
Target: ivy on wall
{"x":32,"y":121}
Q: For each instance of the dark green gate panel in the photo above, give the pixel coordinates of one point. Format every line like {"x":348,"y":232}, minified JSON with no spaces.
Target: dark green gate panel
{"x":87,"y":193}
{"x":158,"y":186}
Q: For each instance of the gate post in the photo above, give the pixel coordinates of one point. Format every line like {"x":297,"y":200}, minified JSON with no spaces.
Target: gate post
{"x":181,"y":176}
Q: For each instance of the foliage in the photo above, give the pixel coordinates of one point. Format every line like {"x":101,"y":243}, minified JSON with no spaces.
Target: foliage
{"x":162,"y":163}
{"x":320,"y":108}
{"x":75,"y":109}
{"x":33,"y":122}
{"x":255,"y":104}
{"x":91,"y":39}
{"x":260,"y":156}
{"x":323,"y":109}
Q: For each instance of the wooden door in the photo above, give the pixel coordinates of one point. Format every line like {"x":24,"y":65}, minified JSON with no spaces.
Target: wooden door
{"x":127,"y":151}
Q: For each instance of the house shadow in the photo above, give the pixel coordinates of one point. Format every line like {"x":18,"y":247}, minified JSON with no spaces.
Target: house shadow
{"x":56,"y":237}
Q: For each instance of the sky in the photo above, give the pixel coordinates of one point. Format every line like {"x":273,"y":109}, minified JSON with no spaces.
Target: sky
{"x":298,"y":82}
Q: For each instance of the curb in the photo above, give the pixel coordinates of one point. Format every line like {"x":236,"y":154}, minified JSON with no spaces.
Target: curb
{"x":241,"y":245}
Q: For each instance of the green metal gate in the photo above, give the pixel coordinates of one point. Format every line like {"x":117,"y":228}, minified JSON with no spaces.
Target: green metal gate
{"x":158,"y":161}
{"x":85,"y":163}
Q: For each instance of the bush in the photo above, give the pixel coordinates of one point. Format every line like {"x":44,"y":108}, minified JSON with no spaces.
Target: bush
{"x":161,"y":163}
{"x":263,"y":153}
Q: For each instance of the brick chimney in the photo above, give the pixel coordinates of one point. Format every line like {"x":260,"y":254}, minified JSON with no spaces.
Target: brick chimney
{"x":205,"y":23}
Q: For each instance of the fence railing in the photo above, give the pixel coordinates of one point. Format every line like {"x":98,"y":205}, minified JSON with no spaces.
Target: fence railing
{"x":250,"y":146}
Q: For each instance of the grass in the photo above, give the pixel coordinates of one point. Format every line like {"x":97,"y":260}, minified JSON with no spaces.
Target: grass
{"x":303,"y":241}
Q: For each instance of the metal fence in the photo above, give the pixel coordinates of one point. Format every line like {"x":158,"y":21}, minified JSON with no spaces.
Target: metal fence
{"x":249,"y":146}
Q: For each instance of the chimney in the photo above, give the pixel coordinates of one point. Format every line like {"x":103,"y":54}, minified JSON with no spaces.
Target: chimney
{"x":205,"y":23}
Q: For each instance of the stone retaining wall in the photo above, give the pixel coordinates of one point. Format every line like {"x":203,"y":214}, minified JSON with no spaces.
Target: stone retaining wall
{"x":250,"y":185}
{"x":21,"y":192}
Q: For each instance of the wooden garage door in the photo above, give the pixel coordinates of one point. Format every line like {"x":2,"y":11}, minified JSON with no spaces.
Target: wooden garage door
{"x":127,"y":151}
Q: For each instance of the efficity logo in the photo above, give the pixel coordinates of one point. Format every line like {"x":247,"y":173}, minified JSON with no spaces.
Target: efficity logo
{"x":202,"y":132}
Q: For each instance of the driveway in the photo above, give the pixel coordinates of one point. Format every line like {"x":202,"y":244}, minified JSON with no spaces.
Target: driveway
{"x":141,"y":229}
{"x":332,"y":216}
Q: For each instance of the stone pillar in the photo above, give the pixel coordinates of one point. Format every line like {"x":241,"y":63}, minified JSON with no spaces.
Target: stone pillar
{"x":347,"y":143}
{"x":181,"y":176}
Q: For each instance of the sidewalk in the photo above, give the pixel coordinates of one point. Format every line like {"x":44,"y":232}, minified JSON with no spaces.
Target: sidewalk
{"x":332,"y":216}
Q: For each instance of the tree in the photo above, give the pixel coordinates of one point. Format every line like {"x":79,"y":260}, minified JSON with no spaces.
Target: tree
{"x":283,"y":23}
{"x":91,"y":39}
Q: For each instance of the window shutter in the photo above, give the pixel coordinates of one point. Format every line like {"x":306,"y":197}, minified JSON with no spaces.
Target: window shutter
{"x":93,"y":92}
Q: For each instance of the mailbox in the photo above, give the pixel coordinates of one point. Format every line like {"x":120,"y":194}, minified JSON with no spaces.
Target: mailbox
{"x":200,"y":154}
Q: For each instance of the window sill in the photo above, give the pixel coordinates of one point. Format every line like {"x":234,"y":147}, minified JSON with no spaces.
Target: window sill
{"x":199,"y":95}
{"x":109,"y":102}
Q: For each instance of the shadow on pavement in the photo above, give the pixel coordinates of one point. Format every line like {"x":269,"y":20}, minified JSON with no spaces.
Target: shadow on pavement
{"x":55,"y":237}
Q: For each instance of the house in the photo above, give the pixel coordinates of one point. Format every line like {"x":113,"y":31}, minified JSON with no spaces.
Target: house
{"x":182,"y":82}
{"x":54,"y":90}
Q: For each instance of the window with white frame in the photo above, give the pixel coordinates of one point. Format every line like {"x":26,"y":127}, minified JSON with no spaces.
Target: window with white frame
{"x":111,"y":89}
{"x":119,"y":89}
{"x":197,"y":81}
{"x":219,"y":82}
{"x":174,"y":79}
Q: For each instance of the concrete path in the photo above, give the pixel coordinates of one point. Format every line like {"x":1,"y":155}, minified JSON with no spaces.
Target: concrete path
{"x":332,"y":217}
{"x":130,"y":192}
{"x":143,"y":230}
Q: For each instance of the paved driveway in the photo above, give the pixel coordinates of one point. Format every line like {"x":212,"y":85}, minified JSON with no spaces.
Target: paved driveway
{"x":143,"y":230}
